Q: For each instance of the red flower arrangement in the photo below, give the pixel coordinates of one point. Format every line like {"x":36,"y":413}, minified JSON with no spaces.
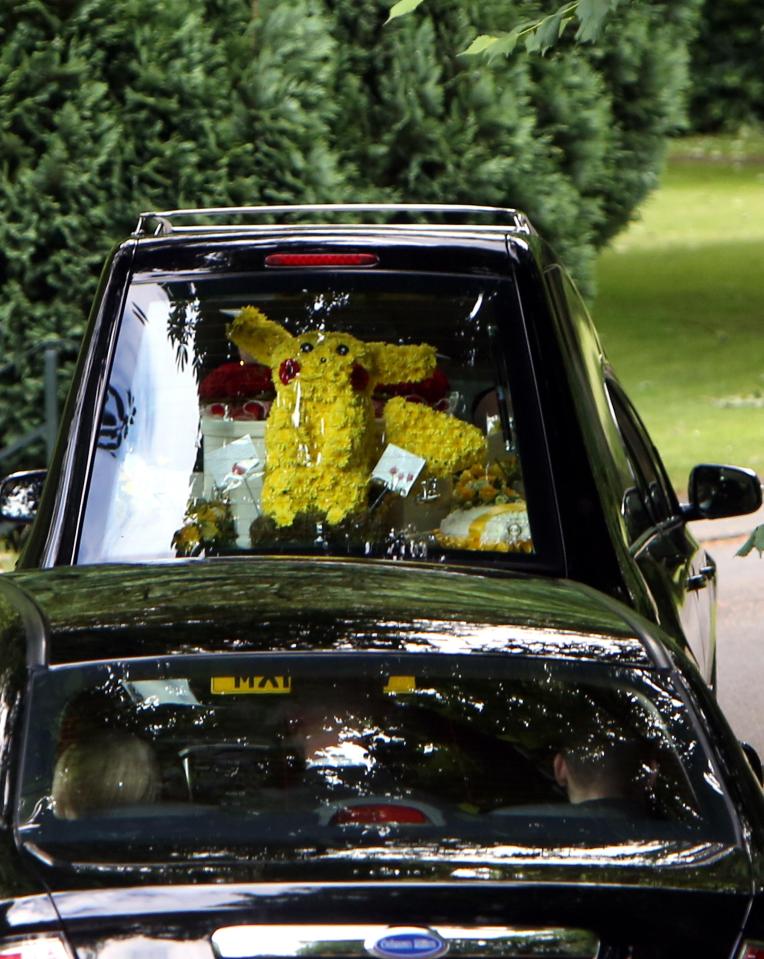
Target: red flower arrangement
{"x":238,"y":391}
{"x":236,"y":380}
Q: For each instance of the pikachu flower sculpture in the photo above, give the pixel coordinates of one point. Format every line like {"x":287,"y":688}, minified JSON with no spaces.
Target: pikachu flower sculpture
{"x":321,"y":442}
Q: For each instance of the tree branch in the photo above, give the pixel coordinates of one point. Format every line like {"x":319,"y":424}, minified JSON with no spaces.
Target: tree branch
{"x":537,"y":35}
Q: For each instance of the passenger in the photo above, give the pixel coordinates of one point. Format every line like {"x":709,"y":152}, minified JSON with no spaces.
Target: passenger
{"x":109,"y":770}
{"x":608,"y":779}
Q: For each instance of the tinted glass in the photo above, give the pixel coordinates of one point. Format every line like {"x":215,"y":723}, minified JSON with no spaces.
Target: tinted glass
{"x":657,"y":502}
{"x":359,"y":412}
{"x":275,"y":758}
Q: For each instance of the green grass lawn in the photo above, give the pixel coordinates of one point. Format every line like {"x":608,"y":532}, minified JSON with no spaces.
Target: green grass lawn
{"x":681,"y":306}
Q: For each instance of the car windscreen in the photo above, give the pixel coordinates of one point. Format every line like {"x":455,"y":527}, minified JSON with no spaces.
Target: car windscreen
{"x":357,"y":759}
{"x":369,"y":413}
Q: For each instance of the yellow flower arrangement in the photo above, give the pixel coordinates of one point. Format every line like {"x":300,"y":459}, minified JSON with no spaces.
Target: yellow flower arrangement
{"x":490,"y":513}
{"x":208,"y":524}
{"x":320,"y":439}
{"x":445,"y":442}
{"x":474,"y":541}
{"x":488,"y":485}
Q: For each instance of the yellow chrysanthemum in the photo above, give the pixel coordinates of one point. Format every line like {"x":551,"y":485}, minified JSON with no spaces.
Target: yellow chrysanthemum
{"x":445,"y":442}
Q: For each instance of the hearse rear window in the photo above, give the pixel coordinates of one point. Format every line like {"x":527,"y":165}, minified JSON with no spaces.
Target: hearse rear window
{"x":368,"y":413}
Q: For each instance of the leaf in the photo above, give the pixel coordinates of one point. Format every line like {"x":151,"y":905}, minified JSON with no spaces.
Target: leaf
{"x":494,"y":46}
{"x":506,"y":43}
{"x":591,"y":16}
{"x":754,"y":541}
{"x":479,"y":45}
{"x":546,"y":34}
{"x":402,"y":7}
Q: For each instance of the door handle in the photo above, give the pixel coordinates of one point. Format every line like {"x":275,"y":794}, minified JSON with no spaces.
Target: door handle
{"x":700,"y":579}
{"x":697,"y":581}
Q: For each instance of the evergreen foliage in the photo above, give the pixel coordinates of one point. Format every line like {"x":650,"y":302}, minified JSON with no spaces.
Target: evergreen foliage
{"x":727,"y":72}
{"x":108,"y":107}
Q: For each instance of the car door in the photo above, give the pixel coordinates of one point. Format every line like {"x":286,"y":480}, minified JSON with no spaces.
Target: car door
{"x":678,"y":571}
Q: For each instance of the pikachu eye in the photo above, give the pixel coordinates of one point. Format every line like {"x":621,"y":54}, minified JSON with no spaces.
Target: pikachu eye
{"x":343,"y":350}
{"x":306,"y":347}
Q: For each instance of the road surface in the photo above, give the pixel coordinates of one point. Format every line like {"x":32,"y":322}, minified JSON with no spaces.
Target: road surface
{"x":740,"y":632}
{"x":740,"y":624}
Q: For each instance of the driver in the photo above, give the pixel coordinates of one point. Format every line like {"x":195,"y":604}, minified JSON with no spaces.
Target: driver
{"x":606,"y":777}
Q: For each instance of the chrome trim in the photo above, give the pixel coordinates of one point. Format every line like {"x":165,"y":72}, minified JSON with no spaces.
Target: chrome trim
{"x":513,"y":219}
{"x":282,"y":941}
{"x":331,"y":229}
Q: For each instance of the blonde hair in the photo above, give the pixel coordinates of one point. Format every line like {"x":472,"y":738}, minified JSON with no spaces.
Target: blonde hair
{"x":109,"y":770}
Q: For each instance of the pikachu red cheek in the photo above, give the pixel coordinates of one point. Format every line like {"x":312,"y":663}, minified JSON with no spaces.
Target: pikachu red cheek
{"x":288,"y":370}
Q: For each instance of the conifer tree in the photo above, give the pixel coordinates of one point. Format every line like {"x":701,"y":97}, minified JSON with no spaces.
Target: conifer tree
{"x":57,"y":148}
{"x":726,"y":63}
{"x":286,"y":88}
{"x":110,"y":107}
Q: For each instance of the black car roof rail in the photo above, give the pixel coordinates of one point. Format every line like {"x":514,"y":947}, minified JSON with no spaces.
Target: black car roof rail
{"x":165,"y":224}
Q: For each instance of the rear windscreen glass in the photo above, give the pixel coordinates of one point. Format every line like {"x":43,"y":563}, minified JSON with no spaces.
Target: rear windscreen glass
{"x":368,"y":413}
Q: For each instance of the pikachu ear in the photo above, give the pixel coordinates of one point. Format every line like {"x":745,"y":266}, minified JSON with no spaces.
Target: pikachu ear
{"x":264,"y":340}
{"x":402,"y":364}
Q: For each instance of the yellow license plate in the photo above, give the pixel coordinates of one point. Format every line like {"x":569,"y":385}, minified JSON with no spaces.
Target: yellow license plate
{"x":250,"y":685}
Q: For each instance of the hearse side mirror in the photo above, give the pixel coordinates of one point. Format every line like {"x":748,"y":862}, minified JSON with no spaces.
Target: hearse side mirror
{"x":754,"y":761}
{"x":717,"y":491}
{"x":20,"y":495}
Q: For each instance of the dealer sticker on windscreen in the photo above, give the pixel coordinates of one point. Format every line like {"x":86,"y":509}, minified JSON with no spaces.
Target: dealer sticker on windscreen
{"x":250,"y":685}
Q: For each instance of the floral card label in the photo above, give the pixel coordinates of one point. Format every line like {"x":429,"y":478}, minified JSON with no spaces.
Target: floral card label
{"x":398,"y":469}
{"x":232,"y":461}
